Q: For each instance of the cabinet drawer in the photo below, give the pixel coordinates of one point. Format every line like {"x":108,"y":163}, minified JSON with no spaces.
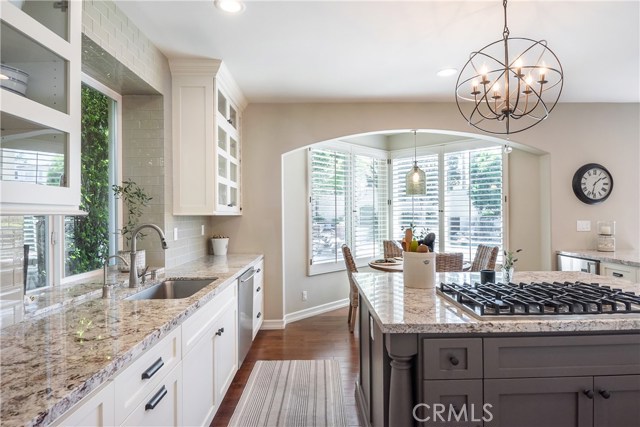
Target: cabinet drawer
{"x":258,"y":279}
{"x":452,"y":358}
{"x":619,"y":271}
{"x":464,"y":397}
{"x":162,"y":406}
{"x":145,"y":373}
{"x":195,"y":326}
{"x":561,"y":356}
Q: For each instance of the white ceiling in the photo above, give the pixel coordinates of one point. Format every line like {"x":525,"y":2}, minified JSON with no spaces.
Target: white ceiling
{"x":337,"y":51}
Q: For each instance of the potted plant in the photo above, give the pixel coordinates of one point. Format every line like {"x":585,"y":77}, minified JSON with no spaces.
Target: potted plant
{"x":508,"y":265}
{"x":134,"y":199}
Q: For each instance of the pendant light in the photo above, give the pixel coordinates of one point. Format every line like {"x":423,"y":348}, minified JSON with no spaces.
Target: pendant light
{"x":416,"y":179}
{"x":509,"y":85}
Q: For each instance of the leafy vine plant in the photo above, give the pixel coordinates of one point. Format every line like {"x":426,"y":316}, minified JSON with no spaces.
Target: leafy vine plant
{"x":135,"y":199}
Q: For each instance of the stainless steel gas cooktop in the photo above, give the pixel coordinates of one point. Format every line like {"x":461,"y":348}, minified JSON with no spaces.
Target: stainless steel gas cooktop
{"x":493,"y":301}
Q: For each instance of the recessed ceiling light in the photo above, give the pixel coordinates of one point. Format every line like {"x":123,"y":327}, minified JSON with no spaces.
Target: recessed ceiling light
{"x":230,"y":6}
{"x":446,"y":72}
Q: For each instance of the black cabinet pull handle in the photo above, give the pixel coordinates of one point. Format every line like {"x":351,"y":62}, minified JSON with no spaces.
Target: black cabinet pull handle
{"x":259,"y":314}
{"x":259,"y":289}
{"x":604,"y":393}
{"x":588,"y":393}
{"x":220,"y":332}
{"x":618,"y":275}
{"x":156,"y":399}
{"x":230,"y":121}
{"x":151,"y":371}
{"x":454,"y":360}
{"x":259,"y":270}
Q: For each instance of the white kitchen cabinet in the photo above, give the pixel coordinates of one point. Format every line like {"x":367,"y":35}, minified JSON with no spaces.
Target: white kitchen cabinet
{"x":40,"y":136}
{"x":207,"y":107}
{"x":146,"y":374}
{"x":620,"y":271}
{"x":258,"y":298}
{"x":163,"y":405}
{"x":97,"y":409}
{"x":210,"y":358}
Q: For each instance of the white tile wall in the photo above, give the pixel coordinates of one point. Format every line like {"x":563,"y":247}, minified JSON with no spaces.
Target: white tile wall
{"x":110,"y":28}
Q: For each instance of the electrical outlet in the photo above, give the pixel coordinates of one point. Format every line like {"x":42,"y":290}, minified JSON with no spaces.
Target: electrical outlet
{"x":304,"y":295}
{"x":583,"y":225}
{"x":175,"y":233}
{"x":202,"y":230}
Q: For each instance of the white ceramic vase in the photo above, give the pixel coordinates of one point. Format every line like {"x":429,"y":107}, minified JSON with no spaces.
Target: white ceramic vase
{"x":220,"y":246}
{"x":419,"y":269}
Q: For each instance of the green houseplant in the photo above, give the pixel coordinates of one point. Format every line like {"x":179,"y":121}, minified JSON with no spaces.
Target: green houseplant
{"x":134,"y":199}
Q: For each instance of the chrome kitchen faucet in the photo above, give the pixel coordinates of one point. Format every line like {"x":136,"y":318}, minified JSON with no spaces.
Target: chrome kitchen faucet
{"x":133,"y":273}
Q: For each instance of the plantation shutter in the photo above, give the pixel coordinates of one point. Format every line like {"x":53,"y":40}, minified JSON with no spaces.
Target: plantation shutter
{"x":421,"y":210}
{"x":473,"y":200}
{"x":369,"y":225}
{"x":330,"y":187}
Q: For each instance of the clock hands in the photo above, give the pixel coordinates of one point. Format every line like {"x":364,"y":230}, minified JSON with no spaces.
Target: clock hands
{"x":597,"y":181}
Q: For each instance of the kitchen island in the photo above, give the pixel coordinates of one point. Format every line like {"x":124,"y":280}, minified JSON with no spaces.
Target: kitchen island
{"x":418,"y":350}
{"x":52,"y":361}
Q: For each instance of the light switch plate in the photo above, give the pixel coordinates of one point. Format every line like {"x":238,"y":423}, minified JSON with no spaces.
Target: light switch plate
{"x":583,"y":225}
{"x":202,"y":230}
{"x":175,"y":233}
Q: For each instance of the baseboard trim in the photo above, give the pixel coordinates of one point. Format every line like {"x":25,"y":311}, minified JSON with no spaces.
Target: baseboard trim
{"x":314,"y":311}
{"x":272,"y":324}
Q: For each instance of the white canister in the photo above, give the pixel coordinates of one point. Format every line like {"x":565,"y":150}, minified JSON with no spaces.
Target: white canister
{"x":220,"y":246}
{"x":419,"y":269}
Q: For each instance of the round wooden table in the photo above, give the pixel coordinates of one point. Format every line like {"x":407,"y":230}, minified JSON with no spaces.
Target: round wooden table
{"x":387,"y":266}
{"x":396,"y":267}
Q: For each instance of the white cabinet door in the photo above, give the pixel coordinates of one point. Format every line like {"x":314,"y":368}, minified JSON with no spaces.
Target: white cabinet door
{"x":163,"y":406}
{"x":95,"y":410}
{"x":226,"y":349}
{"x":258,"y":298}
{"x":198,"y":389}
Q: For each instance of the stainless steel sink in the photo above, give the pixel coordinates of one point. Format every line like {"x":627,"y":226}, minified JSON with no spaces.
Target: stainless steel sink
{"x":172,"y":289}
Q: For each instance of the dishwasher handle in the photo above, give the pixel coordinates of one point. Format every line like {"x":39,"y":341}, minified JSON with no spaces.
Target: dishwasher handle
{"x":246,"y":279}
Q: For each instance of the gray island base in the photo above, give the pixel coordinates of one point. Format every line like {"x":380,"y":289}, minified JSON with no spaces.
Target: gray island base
{"x":426,"y":362}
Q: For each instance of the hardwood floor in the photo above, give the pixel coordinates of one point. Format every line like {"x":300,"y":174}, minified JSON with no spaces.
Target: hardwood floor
{"x":320,"y":337}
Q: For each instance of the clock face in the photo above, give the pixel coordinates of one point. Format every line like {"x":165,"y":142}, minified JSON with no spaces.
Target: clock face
{"x":592,"y":183}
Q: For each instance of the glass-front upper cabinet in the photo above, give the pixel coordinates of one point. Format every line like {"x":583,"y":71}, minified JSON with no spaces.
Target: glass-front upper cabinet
{"x":228,"y":155}
{"x":40,"y":62}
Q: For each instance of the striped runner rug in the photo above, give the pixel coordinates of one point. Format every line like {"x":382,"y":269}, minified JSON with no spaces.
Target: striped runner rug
{"x":292,"y":393}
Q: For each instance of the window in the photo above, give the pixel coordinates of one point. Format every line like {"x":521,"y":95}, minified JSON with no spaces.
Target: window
{"x":463,"y":204}
{"x":61,"y":247}
{"x":348,"y":204}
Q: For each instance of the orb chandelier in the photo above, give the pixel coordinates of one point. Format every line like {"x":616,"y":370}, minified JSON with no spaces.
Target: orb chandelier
{"x":509,"y":85}
{"x":416,"y":179}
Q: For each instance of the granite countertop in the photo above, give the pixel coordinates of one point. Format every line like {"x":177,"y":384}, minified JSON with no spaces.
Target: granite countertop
{"x":630,"y":257}
{"x":397,"y":309}
{"x":51,"y":361}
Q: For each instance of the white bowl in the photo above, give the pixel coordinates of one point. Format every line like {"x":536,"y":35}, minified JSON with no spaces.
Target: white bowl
{"x":14,"y":86}
{"x":14,"y":74}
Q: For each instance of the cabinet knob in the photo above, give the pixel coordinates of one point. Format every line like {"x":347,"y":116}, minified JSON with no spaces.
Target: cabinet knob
{"x":588,"y":393}
{"x":259,"y":288}
{"x":230,"y":121}
{"x":220,"y":332}
{"x":454,"y":360}
{"x":605,"y":393}
{"x":259,"y":315}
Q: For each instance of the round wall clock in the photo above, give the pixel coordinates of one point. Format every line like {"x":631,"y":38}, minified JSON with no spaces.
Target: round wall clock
{"x":592,"y":183}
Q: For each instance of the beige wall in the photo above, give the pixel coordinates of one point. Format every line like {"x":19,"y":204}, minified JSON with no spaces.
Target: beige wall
{"x":574,"y":134}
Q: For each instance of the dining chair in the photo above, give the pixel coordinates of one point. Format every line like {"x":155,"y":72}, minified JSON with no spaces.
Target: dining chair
{"x":485,"y":258}
{"x":449,"y":261}
{"x":391,"y":249}
{"x":353,"y":290}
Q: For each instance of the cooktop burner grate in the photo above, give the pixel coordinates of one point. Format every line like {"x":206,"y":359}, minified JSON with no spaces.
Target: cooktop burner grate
{"x":540,"y":299}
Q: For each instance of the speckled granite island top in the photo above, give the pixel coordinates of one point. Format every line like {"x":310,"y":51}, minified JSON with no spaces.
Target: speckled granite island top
{"x":629,"y":257}
{"x":50,"y":362}
{"x":397,"y":309}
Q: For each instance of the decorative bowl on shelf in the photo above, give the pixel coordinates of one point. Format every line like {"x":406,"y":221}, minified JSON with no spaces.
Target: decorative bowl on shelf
{"x":13,"y":79}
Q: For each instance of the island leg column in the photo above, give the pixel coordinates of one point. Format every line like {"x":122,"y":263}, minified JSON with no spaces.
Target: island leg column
{"x":401,"y":349}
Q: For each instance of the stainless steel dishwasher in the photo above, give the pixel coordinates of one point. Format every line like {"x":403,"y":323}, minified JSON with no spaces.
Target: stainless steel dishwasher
{"x":245,"y":313}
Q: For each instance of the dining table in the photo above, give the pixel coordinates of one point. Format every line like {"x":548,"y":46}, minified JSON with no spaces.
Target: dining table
{"x":394,"y":265}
